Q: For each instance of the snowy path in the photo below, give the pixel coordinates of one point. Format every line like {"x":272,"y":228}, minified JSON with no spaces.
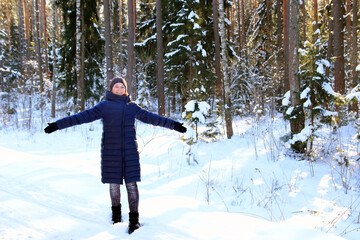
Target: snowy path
{"x":53,"y":191}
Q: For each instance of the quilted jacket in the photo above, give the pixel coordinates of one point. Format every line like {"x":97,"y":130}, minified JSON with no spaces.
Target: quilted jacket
{"x":119,"y":153}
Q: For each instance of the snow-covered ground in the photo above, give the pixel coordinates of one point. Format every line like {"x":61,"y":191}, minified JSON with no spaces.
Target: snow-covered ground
{"x":243,"y":188}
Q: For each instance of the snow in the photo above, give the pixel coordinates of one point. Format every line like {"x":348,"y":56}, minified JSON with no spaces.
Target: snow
{"x":192,"y":16}
{"x":200,"y":114}
{"x":354,"y":94}
{"x":305,"y":93}
{"x":190,"y":106}
{"x":286,"y":100}
{"x":321,"y":63}
{"x":303,"y":135}
{"x":327,"y":87}
{"x":176,"y":24}
{"x":153,"y":37}
{"x":196,"y":26}
{"x":170,"y":54}
{"x":204,"y":107}
{"x":200,"y":48}
{"x":289,"y":110}
{"x":181,"y":36}
{"x":50,"y":188}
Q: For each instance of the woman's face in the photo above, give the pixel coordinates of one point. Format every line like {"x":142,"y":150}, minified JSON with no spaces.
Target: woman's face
{"x":118,"y":89}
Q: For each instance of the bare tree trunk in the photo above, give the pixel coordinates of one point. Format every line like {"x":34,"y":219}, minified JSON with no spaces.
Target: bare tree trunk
{"x":8,"y":22}
{"x":135,"y":83}
{"x":303,"y":21}
{"x":79,"y":56}
{"x":286,"y":48}
{"x":160,"y":59}
{"x":131,"y":51}
{"x":279,"y":45}
{"x":54,"y":73}
{"x":239,"y":25}
{"x":22,"y":36}
{"x":255,"y":11}
{"x":27,"y":9}
{"x":232,"y":23}
{"x":339,"y":65}
{"x":37,"y":44}
{"x":268,"y":26}
{"x":243,"y":32}
{"x":108,"y":44}
{"x":120,"y":35}
{"x":338,"y":13}
{"x":218,"y":83}
{"x":45,"y":34}
{"x":316,"y":21}
{"x":297,"y":123}
{"x":348,"y":39}
{"x":329,"y":53}
{"x":355,"y":48}
{"x":348,"y":19}
{"x":78,"y":42}
{"x":227,"y":96}
{"x":316,"y":15}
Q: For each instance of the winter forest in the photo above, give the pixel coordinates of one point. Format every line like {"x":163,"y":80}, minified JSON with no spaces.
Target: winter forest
{"x":268,"y":90}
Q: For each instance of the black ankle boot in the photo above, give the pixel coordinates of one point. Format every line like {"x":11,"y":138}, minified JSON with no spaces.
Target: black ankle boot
{"x":133,"y":222}
{"x":116,"y":214}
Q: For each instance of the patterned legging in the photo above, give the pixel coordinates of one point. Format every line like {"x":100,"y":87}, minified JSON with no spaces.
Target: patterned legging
{"x":133,"y":195}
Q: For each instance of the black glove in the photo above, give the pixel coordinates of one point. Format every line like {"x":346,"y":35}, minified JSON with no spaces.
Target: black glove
{"x":179,"y":127}
{"x":52,"y":127}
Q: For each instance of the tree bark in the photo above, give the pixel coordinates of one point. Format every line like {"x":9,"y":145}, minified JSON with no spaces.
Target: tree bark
{"x":120,"y":35}
{"x":54,"y":73}
{"x":348,"y":18}
{"x":232,"y":23}
{"x":297,"y":123}
{"x":108,"y":44}
{"x":22,"y":36}
{"x":45,"y":35}
{"x":355,"y":48}
{"x":131,"y":51}
{"x":37,"y":44}
{"x":316,"y":15}
{"x":227,"y":92}
{"x":303,"y":21}
{"x":27,"y":22}
{"x":330,"y":50}
{"x":316,"y":21}
{"x":80,"y":45}
{"x":286,"y":47}
{"x":243,"y":32}
{"x":339,"y":74}
{"x":218,"y":83}
{"x":279,"y":45}
{"x":238,"y":9}
{"x":160,"y":59}
{"x":8,"y":22}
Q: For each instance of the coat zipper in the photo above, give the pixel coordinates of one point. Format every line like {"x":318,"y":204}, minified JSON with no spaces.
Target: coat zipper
{"x":123,"y":141}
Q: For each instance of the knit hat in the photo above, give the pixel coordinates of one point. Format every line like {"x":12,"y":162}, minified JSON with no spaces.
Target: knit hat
{"x":117,"y":80}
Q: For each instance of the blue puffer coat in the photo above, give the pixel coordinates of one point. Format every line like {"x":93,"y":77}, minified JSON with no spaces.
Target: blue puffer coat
{"x":119,"y":153}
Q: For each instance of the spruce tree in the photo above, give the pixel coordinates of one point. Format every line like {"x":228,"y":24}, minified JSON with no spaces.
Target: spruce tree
{"x":94,"y":50}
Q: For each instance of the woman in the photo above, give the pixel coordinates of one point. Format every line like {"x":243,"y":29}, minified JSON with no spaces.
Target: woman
{"x":119,"y":153}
